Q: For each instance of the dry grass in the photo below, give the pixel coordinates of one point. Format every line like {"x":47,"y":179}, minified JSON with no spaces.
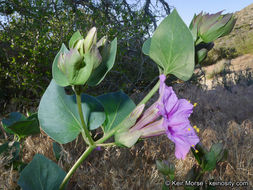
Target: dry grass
{"x":224,"y":114}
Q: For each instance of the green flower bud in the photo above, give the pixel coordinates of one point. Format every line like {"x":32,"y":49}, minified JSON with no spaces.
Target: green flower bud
{"x":90,"y":40}
{"x":75,"y":67}
{"x":79,"y":46}
{"x":208,"y":27}
{"x":83,"y":57}
{"x":90,"y":45}
{"x":214,"y":26}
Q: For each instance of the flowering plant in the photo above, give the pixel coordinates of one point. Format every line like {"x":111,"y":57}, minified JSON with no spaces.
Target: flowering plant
{"x":63,"y":117}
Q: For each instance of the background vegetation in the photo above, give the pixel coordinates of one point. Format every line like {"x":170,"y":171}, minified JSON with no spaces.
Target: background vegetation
{"x":31,"y":33}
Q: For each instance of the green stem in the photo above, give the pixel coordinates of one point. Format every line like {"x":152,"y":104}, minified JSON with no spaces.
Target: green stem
{"x":80,"y":111}
{"x":76,"y":165}
{"x":151,"y":93}
{"x":106,"y":144}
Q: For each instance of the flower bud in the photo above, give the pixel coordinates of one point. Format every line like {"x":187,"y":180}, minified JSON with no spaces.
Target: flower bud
{"x":80,"y":46}
{"x":83,"y":57}
{"x":208,"y":27}
{"x":90,"y":40}
{"x":214,"y":26}
{"x":74,"y":67}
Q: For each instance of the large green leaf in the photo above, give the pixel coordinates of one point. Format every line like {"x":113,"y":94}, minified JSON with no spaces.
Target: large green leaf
{"x":172,"y":47}
{"x":58,"y":75}
{"x":18,"y":124}
{"x":117,"y":107}
{"x":41,"y":174}
{"x":58,"y":114}
{"x":108,"y":55}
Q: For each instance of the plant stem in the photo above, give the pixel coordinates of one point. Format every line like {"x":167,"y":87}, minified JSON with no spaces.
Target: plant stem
{"x":76,"y":165}
{"x":150,"y":94}
{"x":80,"y":111}
{"x":106,"y":144}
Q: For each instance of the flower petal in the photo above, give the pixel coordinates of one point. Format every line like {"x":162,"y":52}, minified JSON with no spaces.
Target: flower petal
{"x":167,"y":99}
{"x":150,"y":115}
{"x":183,"y":136}
{"x":180,"y":113}
{"x":153,"y":129}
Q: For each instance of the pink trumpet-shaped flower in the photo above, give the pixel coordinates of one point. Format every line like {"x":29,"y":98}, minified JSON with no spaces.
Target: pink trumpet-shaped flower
{"x":174,"y":121}
{"x":175,"y":113}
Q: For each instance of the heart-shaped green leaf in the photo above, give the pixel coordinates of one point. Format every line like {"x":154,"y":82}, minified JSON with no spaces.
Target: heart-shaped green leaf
{"x":58,"y":114}
{"x":58,"y":75}
{"x":172,"y":47}
{"x":117,"y":107}
{"x":108,"y":59}
{"x":40,"y":174}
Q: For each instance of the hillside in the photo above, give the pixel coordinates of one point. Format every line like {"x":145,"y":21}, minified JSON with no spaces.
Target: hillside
{"x":240,"y":40}
{"x":232,"y":55}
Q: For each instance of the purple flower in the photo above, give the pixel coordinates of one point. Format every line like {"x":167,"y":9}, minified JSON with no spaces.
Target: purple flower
{"x":168,"y":115}
{"x":175,"y":113}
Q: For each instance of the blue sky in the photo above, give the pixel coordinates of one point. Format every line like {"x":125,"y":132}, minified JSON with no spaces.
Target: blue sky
{"x":187,"y":8}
